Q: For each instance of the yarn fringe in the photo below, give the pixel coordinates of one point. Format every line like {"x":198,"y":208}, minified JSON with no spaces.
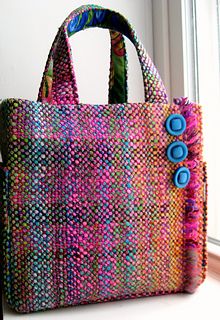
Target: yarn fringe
{"x":192,"y":214}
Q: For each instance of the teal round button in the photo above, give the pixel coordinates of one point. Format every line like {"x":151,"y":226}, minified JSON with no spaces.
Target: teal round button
{"x":181,"y":177}
{"x":177,"y":151}
{"x":175,"y":124}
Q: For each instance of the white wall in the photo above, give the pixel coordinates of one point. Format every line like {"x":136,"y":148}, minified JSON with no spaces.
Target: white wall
{"x":27,"y":29}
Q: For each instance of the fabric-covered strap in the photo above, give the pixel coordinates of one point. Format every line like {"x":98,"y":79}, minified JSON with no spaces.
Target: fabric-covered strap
{"x":118,"y":89}
{"x":63,"y":85}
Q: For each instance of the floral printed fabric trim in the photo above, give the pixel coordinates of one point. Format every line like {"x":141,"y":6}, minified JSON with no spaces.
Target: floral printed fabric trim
{"x":118,"y":70}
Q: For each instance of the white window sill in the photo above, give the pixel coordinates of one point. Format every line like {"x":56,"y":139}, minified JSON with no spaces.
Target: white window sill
{"x":200,"y":305}
{"x":213,"y":248}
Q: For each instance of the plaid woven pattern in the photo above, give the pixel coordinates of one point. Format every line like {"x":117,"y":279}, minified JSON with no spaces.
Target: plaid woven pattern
{"x":90,"y":210}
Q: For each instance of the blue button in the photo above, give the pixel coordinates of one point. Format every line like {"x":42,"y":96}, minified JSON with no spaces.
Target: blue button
{"x":181,"y":177}
{"x":177,"y":151}
{"x":175,"y":124}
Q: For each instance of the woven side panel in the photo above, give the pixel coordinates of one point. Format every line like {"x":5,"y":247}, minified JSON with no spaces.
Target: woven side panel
{"x":92,"y":212}
{"x":196,"y":207}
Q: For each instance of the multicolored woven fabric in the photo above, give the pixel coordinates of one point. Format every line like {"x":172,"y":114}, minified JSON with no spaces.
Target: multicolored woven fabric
{"x":90,"y":209}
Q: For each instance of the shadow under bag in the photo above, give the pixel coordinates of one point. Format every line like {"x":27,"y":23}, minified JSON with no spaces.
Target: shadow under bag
{"x":100,"y":202}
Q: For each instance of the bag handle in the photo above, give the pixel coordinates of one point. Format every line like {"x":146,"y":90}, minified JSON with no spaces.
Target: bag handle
{"x":118,"y":89}
{"x":63,"y":83}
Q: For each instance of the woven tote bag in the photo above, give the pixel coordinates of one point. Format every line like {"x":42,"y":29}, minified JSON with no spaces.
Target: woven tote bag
{"x":100,"y":202}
